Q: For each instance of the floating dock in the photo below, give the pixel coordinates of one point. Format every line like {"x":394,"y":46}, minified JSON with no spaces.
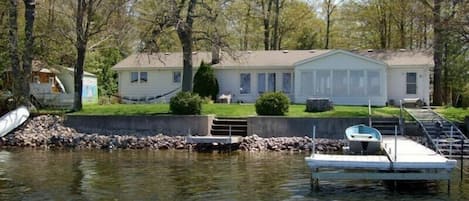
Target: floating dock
{"x":404,"y":159}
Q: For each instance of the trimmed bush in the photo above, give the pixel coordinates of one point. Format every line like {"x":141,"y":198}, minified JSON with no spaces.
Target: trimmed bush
{"x":205,"y":82}
{"x":185,"y":103}
{"x":275,"y":103}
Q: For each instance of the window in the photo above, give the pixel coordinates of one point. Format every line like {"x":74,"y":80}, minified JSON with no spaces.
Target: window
{"x":36,"y":79}
{"x":271,"y":85}
{"x":245,"y":83}
{"x":133,"y":77}
{"x":143,"y":77}
{"x":411,"y":82}
{"x":357,"y":83}
{"x":373,"y":83}
{"x":286,"y":83}
{"x":339,"y":84}
{"x":51,"y":80}
{"x":323,"y":83}
{"x":261,"y":83}
{"x":177,"y":77}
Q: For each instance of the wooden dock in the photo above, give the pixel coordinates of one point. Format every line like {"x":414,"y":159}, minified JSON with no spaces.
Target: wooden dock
{"x":210,"y":139}
{"x":406,"y":160}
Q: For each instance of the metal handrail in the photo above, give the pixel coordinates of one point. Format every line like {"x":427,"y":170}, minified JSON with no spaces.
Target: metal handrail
{"x":452,"y":124}
{"x":426,"y":133}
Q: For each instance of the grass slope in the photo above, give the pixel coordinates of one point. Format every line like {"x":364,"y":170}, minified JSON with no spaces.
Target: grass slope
{"x":235,"y":110}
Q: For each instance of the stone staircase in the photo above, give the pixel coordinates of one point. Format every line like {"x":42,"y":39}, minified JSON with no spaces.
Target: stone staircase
{"x":224,"y":125}
{"x":443,"y":135}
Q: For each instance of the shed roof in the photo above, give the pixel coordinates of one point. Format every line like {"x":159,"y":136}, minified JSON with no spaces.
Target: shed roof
{"x":264,"y":59}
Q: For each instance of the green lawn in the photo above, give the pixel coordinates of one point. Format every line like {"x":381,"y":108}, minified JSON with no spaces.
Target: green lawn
{"x":234,"y":110}
{"x":453,"y":114}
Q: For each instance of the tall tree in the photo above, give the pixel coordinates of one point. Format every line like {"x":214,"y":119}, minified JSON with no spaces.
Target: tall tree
{"x":91,"y":18}
{"x":328,"y":8}
{"x":21,"y":72}
{"x":266,"y":9}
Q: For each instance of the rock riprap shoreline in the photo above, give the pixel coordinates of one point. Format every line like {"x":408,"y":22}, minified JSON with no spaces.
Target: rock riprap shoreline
{"x":48,"y":131}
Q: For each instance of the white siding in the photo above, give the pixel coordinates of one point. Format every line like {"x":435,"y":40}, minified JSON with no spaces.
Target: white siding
{"x":159,"y":82}
{"x":319,"y":79}
{"x":229,"y":83}
{"x":397,"y":83}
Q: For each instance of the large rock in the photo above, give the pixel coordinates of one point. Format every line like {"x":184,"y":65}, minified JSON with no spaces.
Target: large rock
{"x":318,"y":105}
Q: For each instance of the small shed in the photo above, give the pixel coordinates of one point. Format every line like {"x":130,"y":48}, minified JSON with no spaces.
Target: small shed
{"x":90,"y":84}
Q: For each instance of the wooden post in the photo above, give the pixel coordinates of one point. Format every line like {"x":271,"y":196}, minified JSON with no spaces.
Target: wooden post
{"x":229,"y":131}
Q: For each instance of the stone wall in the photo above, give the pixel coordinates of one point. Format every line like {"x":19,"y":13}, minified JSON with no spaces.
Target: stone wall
{"x":171,"y":125}
{"x":271,"y":126}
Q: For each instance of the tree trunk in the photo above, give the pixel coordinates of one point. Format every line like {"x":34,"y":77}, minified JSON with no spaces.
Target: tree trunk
{"x":275,"y":45}
{"x":437,"y":52}
{"x":30,"y":6}
{"x":13,"y":48}
{"x":266,"y":23}
{"x":81,"y":52}
{"x":245,"y":44}
{"x":328,"y":22}
{"x":184,"y":30}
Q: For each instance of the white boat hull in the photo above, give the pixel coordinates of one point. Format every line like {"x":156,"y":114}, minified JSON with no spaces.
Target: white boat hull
{"x":13,"y":119}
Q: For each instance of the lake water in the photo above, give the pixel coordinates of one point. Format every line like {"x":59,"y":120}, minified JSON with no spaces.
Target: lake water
{"x":181,"y":175}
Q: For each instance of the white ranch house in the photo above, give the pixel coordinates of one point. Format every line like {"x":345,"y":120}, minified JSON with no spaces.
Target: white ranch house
{"x":348,"y":78}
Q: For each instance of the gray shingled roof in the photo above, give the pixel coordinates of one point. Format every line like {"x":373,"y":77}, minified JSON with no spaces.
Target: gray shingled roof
{"x":263,"y":59}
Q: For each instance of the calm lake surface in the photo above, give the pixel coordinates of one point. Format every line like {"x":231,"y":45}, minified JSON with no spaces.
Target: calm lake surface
{"x":181,"y":175}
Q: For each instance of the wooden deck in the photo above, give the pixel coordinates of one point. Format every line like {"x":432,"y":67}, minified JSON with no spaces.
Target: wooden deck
{"x":210,"y":139}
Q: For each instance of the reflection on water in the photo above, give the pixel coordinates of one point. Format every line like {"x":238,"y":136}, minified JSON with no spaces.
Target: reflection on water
{"x":179,"y":175}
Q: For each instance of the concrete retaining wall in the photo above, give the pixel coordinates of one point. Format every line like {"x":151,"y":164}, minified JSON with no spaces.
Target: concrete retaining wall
{"x":271,"y":126}
{"x":164,"y":124}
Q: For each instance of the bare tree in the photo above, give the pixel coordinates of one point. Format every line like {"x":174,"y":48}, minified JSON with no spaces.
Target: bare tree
{"x":329,"y":7}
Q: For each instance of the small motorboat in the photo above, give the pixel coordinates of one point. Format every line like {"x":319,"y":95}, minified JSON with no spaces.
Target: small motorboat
{"x":363,"y":139}
{"x":13,"y":119}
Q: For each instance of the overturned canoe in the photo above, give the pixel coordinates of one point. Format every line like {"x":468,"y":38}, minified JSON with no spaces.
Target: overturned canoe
{"x":13,"y":119}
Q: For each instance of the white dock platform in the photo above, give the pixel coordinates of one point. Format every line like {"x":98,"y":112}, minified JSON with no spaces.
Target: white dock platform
{"x":412,"y":162}
{"x":209,"y":139}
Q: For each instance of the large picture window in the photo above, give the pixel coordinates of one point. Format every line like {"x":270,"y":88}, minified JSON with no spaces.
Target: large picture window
{"x":373,"y":83}
{"x":286,"y":83}
{"x":411,"y":83}
{"x":245,"y":83}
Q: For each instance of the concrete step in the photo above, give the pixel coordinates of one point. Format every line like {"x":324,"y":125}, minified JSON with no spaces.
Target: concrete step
{"x":230,"y":121}
{"x":227,"y":132}
{"x":227,"y":127}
